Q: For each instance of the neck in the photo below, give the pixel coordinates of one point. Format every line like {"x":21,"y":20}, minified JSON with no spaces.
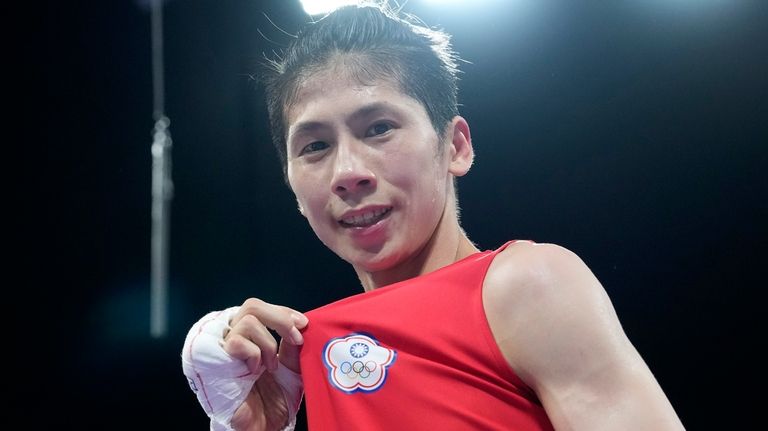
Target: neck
{"x":447,"y":245}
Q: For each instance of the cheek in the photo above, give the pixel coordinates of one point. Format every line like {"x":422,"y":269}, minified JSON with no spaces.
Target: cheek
{"x":420,"y":172}
{"x":306,"y":191}
{"x":309,"y":197}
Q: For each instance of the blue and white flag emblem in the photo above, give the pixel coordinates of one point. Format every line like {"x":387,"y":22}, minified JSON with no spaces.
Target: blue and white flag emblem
{"x":357,"y":362}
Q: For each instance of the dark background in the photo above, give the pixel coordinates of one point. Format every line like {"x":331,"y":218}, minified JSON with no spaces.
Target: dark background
{"x":633,"y":133}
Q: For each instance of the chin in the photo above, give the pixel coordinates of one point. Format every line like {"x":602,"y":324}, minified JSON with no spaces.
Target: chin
{"x":375,"y":261}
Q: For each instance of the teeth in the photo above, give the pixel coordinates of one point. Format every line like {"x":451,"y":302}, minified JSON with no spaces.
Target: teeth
{"x":365,"y":219}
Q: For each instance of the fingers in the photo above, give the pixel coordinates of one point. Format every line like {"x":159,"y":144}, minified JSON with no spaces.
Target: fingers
{"x":285,"y":321}
{"x":289,"y":356}
{"x":251,"y":342}
{"x":249,"y":338}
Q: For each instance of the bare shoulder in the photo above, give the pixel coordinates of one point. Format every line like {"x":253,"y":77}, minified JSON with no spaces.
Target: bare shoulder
{"x":542,"y":301}
{"x":533,"y":263}
{"x":530,"y":278}
{"x":557,"y":328}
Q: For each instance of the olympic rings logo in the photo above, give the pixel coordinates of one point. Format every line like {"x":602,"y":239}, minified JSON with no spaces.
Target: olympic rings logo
{"x":357,"y":369}
{"x":357,"y":362}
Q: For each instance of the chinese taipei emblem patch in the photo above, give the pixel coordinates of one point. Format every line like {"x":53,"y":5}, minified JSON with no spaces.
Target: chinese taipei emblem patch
{"x":357,"y":362}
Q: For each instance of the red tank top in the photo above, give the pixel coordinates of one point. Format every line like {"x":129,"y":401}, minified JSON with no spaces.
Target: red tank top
{"x":415,"y":355}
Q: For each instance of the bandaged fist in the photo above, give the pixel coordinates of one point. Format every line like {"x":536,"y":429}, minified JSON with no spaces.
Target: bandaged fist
{"x":226,"y":355}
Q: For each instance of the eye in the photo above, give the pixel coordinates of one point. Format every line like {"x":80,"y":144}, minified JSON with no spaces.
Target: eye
{"x":378,"y":129}
{"x":314,"y":147}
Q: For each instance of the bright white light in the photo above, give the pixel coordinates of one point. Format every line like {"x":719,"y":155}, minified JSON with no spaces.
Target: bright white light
{"x":318,"y":7}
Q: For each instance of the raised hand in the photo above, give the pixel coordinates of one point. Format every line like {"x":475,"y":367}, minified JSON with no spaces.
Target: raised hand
{"x":226,"y":352}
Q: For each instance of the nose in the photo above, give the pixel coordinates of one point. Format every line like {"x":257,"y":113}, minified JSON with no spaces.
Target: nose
{"x":352,"y":173}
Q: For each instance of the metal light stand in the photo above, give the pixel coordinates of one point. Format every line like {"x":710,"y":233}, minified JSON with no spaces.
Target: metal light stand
{"x":162,"y":186}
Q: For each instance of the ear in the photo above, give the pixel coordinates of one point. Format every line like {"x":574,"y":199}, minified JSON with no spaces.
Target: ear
{"x":460,"y":147}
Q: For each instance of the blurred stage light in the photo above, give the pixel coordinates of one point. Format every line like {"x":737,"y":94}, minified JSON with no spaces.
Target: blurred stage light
{"x":318,"y":7}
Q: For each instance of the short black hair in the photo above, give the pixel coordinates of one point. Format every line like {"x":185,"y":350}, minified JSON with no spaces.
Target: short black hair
{"x":380,"y":44}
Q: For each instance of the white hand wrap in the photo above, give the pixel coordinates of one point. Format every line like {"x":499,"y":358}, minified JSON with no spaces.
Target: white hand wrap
{"x":222,"y":382}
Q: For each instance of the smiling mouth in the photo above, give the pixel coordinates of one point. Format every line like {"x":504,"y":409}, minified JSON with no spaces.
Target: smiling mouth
{"x":366,"y":219}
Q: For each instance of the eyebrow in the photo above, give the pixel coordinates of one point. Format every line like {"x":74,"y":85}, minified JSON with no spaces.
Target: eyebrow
{"x":362,"y":112}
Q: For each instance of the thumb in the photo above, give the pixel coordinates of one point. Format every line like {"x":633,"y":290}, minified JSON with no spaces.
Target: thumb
{"x":288,"y":355}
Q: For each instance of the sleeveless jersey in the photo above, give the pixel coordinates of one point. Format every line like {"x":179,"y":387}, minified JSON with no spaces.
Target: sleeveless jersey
{"x":414,"y":355}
